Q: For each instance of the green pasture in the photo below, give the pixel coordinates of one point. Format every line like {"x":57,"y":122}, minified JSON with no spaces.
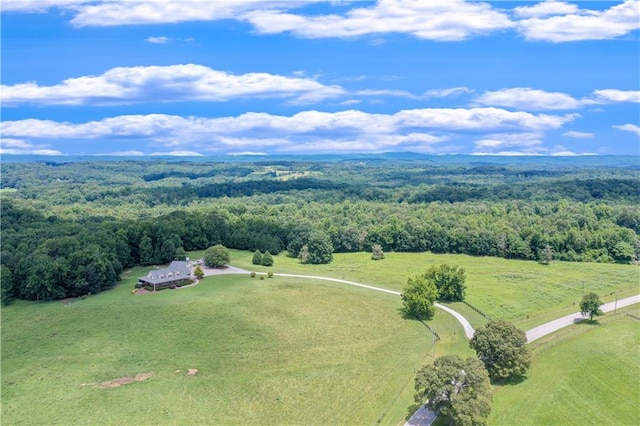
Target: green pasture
{"x":269,"y":351}
{"x":526,"y":293}
{"x":584,"y":374}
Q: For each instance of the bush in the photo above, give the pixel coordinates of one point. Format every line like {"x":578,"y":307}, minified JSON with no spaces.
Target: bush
{"x":257,"y":258}
{"x":148,"y":288}
{"x":253,"y":274}
{"x":267,"y":259}
{"x":262,"y":277}
{"x":138,"y":285}
{"x":269,"y":274}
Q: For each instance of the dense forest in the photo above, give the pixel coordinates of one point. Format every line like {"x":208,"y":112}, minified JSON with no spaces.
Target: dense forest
{"x":70,"y":228}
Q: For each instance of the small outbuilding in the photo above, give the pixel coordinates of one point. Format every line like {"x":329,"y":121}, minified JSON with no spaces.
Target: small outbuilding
{"x":178,"y":273}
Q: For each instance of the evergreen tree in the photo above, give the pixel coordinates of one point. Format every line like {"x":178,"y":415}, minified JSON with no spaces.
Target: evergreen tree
{"x":257,"y":258}
{"x":267,"y":259}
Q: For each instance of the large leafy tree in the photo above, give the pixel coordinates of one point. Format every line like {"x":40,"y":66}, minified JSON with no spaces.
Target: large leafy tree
{"x":320,"y":248}
{"x":590,"y":305}
{"x":449,"y":280}
{"x":456,"y":388}
{"x":418,"y":297}
{"x":502,"y":348}
{"x":217,"y":256}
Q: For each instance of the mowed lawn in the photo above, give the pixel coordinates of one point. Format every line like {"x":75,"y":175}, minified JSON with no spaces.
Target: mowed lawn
{"x":272,"y":351}
{"x":588,"y":376}
{"x":526,"y":293}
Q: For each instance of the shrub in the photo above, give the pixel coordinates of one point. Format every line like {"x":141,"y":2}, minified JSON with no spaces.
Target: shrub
{"x":257,"y":258}
{"x":138,"y":285}
{"x":267,"y":259}
{"x":269,"y":274}
{"x":253,"y":274}
{"x":262,"y":277}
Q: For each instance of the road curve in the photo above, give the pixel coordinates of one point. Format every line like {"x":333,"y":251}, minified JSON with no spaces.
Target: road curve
{"x":424,"y":417}
{"x":462,"y":320}
{"x":555,"y":325}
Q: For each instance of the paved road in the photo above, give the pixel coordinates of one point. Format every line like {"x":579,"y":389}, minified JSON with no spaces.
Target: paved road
{"x":555,"y":325}
{"x":424,"y":417}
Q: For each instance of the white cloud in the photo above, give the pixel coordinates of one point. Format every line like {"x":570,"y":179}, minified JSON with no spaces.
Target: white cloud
{"x":528,"y":99}
{"x":387,"y":92}
{"x":527,"y":141}
{"x":447,"y":93}
{"x":546,"y":8}
{"x":612,"y":95}
{"x":350,"y":102}
{"x":179,"y":153}
{"x":351,"y":130}
{"x":140,"y":12}
{"x":20,"y":146}
{"x":39,"y":6}
{"x":158,"y":40}
{"x":580,"y":24}
{"x":126,"y":154}
{"x":440,"y":20}
{"x":633,"y":128}
{"x":172,"y":83}
{"x":578,"y":135}
{"x":444,"y":20}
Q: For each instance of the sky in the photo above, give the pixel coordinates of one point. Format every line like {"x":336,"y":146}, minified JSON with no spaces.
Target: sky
{"x":240,"y":77}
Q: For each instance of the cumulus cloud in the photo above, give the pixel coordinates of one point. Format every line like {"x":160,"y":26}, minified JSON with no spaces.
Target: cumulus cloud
{"x":174,"y":83}
{"x":528,"y":99}
{"x":445,"y":20}
{"x":558,"y":22}
{"x":439,"y":20}
{"x":93,"y":13}
{"x":511,"y":144}
{"x":604,"y":96}
{"x":633,"y":128}
{"x":578,"y":135}
{"x":307,"y":131}
{"x":545,"y":8}
{"x":20,"y":146}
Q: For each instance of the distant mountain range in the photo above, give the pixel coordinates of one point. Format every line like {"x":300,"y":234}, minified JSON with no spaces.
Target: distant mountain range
{"x":624,"y":161}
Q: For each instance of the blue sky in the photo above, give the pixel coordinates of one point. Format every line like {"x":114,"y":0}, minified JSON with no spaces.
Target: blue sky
{"x":295,"y":77}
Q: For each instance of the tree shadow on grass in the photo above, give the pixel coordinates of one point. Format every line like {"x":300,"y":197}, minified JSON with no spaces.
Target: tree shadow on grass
{"x":509,"y":382}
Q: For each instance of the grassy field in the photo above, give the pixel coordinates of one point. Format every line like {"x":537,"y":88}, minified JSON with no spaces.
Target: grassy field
{"x":585,"y":374}
{"x":268,"y":352}
{"x":524,"y":292}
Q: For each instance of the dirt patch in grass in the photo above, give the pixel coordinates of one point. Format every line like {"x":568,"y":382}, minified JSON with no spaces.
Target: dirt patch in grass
{"x":120,"y":381}
{"x":68,"y":301}
{"x":192,"y":372}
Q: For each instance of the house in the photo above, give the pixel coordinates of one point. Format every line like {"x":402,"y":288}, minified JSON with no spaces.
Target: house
{"x":178,"y":272}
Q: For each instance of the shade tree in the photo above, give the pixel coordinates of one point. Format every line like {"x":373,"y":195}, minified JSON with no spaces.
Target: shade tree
{"x":456,"y":388}
{"x":501,"y":347}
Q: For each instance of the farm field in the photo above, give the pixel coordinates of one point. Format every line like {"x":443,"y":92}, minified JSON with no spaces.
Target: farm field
{"x":267,"y":352}
{"x":585,"y":374}
{"x":524,"y":292}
